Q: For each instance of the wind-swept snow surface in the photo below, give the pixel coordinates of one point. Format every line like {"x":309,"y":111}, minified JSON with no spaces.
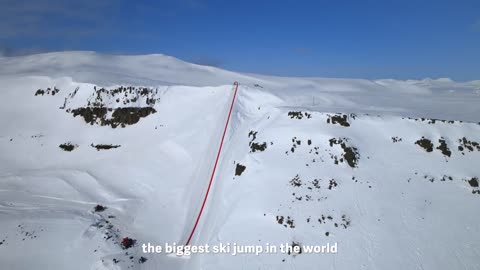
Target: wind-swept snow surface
{"x":101,"y":154}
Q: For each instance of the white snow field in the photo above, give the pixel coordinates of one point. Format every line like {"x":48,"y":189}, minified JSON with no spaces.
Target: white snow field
{"x":386,"y":169}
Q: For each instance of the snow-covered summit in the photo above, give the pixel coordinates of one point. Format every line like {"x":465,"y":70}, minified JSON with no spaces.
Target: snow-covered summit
{"x":433,"y":98}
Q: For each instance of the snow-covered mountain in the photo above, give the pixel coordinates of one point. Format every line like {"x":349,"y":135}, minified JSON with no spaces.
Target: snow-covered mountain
{"x":97,"y":148}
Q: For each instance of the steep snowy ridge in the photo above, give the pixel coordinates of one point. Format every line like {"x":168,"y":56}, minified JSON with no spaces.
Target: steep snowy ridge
{"x":394,"y":198}
{"x":386,"y":169}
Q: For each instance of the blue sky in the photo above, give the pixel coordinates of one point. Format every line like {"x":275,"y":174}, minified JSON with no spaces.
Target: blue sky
{"x":358,"y":39}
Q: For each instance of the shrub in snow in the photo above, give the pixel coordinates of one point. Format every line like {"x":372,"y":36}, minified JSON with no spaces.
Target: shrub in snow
{"x":127,"y":243}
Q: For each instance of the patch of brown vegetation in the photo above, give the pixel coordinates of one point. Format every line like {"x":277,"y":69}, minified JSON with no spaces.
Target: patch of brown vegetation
{"x":296,"y":249}
{"x":425,"y":144}
{"x":299,"y":115}
{"x":341,"y":119}
{"x":469,"y":145}
{"x":396,"y":139}
{"x":48,"y":91}
{"x":444,"y":148}
{"x":239,"y":169}
{"x":120,"y":116}
{"x":104,"y":146}
{"x":68,"y":146}
{"x":350,"y":153}
{"x":473,"y":182}
{"x":255,"y":146}
{"x":296,"y":181}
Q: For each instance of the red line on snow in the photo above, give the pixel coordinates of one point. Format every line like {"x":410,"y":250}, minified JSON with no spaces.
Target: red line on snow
{"x":214,"y":167}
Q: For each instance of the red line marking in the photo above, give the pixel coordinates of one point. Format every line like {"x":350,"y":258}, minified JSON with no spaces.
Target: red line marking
{"x":214,"y":167}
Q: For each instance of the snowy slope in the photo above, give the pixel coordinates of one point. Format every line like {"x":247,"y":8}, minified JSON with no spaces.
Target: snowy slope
{"x":326,"y":160}
{"x":399,"y":206}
